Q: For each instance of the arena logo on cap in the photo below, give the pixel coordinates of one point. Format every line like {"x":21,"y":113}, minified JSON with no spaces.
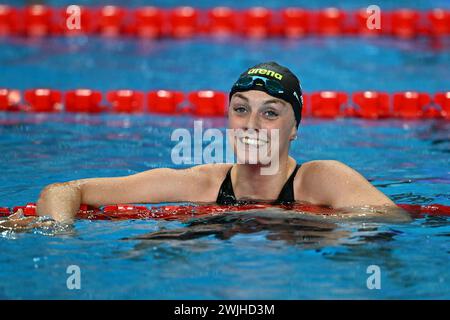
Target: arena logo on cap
{"x":266,"y":72}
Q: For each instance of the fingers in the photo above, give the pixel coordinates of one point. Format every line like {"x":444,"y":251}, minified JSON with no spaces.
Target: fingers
{"x":19,"y":222}
{"x":17,"y":215}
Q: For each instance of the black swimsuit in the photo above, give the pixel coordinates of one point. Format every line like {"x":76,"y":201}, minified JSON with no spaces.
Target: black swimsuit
{"x":226,"y":194}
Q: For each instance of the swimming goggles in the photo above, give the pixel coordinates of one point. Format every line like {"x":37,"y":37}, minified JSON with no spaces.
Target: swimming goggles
{"x":272,"y":87}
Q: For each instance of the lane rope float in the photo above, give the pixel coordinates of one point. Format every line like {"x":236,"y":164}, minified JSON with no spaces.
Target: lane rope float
{"x":174,"y":212}
{"x":152,"y":22}
{"x":213,"y":103}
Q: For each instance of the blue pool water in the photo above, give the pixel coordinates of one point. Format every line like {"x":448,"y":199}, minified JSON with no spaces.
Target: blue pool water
{"x":246,"y":256}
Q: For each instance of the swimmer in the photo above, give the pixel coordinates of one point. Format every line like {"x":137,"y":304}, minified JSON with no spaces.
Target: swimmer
{"x":267,"y":97}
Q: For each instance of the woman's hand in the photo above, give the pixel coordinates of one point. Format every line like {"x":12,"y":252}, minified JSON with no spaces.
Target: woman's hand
{"x":19,"y":222}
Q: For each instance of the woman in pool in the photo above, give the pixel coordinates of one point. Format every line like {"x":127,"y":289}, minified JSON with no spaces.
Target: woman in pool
{"x":265,"y":97}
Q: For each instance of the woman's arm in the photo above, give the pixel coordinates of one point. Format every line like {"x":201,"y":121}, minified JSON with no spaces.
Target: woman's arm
{"x":332,"y":183}
{"x":61,"y":201}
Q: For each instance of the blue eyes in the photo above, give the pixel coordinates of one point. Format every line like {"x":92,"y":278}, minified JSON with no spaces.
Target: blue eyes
{"x":270,"y":114}
{"x":240,"y":109}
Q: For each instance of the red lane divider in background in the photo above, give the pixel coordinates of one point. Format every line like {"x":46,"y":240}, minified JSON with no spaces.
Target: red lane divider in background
{"x":183,"y":22}
{"x":65,"y":24}
{"x":207,"y":103}
{"x":221,"y":21}
{"x":327,"y":104}
{"x":370,"y":104}
{"x":442,"y":99}
{"x":111,"y":20}
{"x":37,"y":20}
{"x":43,"y":100}
{"x":127,"y":101}
{"x":439,"y":22}
{"x":8,"y":20}
{"x":173,"y":212}
{"x":296,"y":22}
{"x":165,"y":101}
{"x":331,"y":22}
{"x":360,"y":18}
{"x":84,"y":100}
{"x":257,"y":22}
{"x":186,"y":22}
{"x":410,"y":104}
{"x":147,"y":22}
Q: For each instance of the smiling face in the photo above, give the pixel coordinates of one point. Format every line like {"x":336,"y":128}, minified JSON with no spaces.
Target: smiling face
{"x":257,"y":118}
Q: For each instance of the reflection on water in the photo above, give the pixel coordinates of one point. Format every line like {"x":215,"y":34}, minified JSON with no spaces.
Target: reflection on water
{"x":277,"y":253}
{"x":293,"y":228}
{"x":224,"y":227}
{"x":345,"y":243}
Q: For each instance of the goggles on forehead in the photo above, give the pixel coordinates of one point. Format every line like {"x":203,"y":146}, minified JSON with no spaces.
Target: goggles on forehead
{"x":272,"y":87}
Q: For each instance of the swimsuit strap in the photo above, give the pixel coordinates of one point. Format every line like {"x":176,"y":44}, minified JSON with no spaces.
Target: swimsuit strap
{"x":226,"y":194}
{"x":287,"y":193}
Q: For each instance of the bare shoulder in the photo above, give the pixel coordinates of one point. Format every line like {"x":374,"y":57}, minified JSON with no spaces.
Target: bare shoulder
{"x":209,"y":177}
{"x":334,"y":183}
{"x":325,"y":167}
{"x":211,"y":170}
{"x":316,"y":178}
{"x":211,"y":167}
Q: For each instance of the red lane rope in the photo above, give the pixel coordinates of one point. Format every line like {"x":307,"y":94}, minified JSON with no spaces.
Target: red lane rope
{"x":185,"y":22}
{"x":172,"y":212}
{"x":320,"y":104}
